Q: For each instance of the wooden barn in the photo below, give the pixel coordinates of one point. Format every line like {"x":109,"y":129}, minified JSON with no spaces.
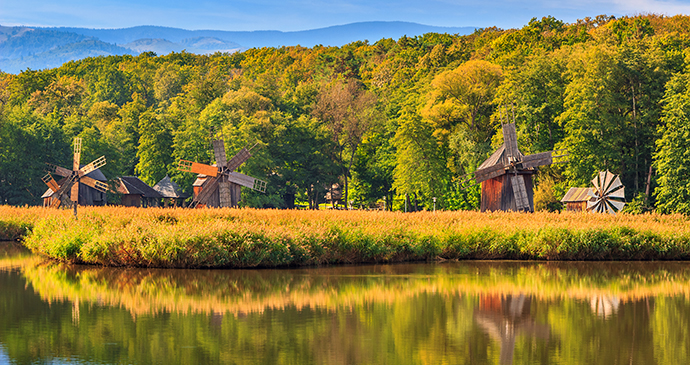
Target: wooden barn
{"x":171,"y":192}
{"x":87,"y":195}
{"x":576,"y":199}
{"x":136,"y":193}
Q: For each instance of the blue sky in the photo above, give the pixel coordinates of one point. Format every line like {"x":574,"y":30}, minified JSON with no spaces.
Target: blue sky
{"x":291,"y":15}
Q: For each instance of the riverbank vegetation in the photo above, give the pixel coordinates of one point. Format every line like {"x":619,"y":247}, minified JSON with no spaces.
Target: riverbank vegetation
{"x":242,"y":238}
{"x":403,"y":120}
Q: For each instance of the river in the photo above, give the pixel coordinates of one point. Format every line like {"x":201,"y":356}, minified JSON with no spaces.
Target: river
{"x":471,"y":312}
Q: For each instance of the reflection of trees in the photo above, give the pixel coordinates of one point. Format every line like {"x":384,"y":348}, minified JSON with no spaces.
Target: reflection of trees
{"x":504,"y":317}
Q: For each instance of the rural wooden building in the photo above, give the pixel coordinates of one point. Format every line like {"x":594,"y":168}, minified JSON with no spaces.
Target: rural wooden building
{"x":171,"y":192}
{"x":576,"y":199}
{"x":334,"y":194}
{"x":506,"y":176}
{"x":213,"y":200}
{"x":498,"y":192}
{"x":87,"y":194}
{"x":136,"y":193}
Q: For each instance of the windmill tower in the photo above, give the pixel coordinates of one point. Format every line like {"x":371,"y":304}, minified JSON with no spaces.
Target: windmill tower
{"x":66,"y":191}
{"x":506,"y":176}
{"x":221,"y":183}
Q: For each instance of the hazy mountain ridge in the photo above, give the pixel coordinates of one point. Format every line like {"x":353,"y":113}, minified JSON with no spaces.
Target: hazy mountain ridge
{"x":39,"y":48}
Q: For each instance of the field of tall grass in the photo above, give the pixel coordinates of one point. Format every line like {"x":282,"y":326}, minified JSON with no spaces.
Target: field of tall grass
{"x":240,"y":238}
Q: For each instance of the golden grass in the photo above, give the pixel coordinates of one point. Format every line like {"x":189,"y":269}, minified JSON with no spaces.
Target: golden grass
{"x":118,"y":236}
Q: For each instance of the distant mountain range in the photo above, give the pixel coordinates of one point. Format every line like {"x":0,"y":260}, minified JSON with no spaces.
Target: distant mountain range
{"x":39,"y":48}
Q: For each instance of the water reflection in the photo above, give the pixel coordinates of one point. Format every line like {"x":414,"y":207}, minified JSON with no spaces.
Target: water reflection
{"x":504,"y":317}
{"x":462,"y":312}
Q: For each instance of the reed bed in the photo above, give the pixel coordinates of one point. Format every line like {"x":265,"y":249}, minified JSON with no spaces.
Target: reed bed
{"x":241,"y":238}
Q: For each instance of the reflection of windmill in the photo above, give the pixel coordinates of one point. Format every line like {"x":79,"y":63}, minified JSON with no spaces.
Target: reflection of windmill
{"x":66,"y":191}
{"x":221,"y":183}
{"x":506,"y":176}
{"x":608,"y":195}
{"x":504,"y":317}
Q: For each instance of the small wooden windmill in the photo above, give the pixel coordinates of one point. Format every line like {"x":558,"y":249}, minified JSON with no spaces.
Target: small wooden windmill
{"x":506,"y":176}
{"x":221,"y":184}
{"x":66,"y":191}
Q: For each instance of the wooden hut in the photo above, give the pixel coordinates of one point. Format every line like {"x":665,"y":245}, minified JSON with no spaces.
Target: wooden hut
{"x":136,"y":193}
{"x":171,"y":192}
{"x":576,"y":199}
{"x":87,"y":194}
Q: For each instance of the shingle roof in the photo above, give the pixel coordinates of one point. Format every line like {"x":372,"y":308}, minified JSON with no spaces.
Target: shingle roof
{"x":168,"y":189}
{"x":578,"y":195}
{"x":134,"y":185}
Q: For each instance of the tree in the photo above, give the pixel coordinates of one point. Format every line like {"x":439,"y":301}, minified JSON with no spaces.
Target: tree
{"x":154,"y":150}
{"x":348,"y":111}
{"x":673,"y":149}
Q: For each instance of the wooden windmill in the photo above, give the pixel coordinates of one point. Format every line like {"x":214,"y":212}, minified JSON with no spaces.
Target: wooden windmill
{"x":66,"y":191}
{"x":221,"y":183}
{"x":506,"y":176}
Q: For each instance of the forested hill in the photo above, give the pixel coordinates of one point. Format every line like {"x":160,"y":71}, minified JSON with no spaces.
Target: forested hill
{"x":393,"y":118}
{"x":24,"y":48}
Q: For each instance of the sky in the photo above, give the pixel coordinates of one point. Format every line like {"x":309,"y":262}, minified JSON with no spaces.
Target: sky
{"x":294,"y":15}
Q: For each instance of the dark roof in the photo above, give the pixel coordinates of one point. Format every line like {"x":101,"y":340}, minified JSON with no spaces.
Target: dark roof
{"x":95,"y":174}
{"x":134,"y":185}
{"x":578,"y":195}
{"x":168,"y":189}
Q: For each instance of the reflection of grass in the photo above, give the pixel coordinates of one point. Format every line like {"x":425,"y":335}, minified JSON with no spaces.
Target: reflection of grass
{"x":143,"y":291}
{"x":250,"y":238}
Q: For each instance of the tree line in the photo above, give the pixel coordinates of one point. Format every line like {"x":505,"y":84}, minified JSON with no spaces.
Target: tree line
{"x":402,"y":121}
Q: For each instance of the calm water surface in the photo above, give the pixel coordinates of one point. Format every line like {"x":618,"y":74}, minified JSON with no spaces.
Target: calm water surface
{"x":452,"y":313}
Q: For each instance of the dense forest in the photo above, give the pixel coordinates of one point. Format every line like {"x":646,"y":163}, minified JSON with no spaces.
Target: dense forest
{"x":388,"y":121}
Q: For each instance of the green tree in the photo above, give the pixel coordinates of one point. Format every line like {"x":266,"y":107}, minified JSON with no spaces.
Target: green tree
{"x":155,"y":148}
{"x":673,"y":149}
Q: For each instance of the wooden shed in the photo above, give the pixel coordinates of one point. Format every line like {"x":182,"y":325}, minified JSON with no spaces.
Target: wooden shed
{"x":87,"y":194}
{"x":170,"y":191}
{"x":136,"y":193}
{"x":576,"y":199}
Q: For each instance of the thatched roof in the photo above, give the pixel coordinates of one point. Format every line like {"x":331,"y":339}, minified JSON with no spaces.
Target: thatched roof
{"x":168,"y":189}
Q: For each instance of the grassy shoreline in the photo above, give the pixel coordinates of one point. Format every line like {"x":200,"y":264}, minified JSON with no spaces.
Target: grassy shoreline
{"x":242,"y":238}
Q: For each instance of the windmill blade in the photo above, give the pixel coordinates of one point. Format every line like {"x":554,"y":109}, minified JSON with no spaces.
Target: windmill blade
{"x":96,"y":164}
{"x":510,"y":141}
{"x":248,"y":181}
{"x":618,"y":194}
{"x":224,"y":194}
{"x":207,"y":191}
{"x":57,"y":170}
{"x":197,"y":168}
{"x":55,"y":202}
{"x":77,"y":154}
{"x":219,"y":152}
{"x":614,"y":185}
{"x":595,"y":182}
{"x":238,"y":159}
{"x":537,"y":159}
{"x":96,"y":184}
{"x":615,"y":205}
{"x":52,"y":184}
{"x":490,"y":172}
{"x":74,"y":193}
{"x":605,"y":179}
{"x":520,"y":193}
